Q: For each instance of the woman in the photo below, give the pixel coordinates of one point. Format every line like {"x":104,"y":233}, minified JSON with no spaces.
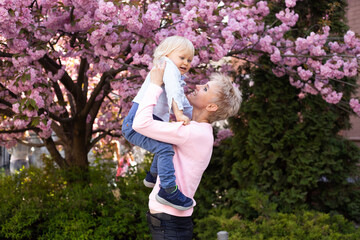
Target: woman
{"x":216,"y":100}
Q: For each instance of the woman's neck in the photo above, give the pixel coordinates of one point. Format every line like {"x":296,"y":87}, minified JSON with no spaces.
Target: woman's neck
{"x":200,"y":116}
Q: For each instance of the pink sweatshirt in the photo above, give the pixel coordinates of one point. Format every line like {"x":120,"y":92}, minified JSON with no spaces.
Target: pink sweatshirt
{"x":193,"y":146}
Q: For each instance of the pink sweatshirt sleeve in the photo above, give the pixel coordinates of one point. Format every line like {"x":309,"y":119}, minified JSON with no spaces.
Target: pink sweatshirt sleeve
{"x":174,"y":133}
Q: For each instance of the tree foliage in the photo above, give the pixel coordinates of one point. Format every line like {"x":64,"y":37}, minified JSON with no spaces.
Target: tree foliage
{"x":69,"y":68}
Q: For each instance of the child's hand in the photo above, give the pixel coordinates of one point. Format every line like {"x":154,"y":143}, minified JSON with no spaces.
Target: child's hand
{"x":157,"y":73}
{"x":183,"y":118}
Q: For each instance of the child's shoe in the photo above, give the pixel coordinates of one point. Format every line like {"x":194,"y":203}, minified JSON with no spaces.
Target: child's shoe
{"x":175,"y":199}
{"x":149,"y":180}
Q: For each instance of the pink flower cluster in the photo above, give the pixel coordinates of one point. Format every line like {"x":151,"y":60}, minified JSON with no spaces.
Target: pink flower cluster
{"x":290,"y":3}
{"x":288,"y":17}
{"x":222,"y":135}
{"x":355,"y":105}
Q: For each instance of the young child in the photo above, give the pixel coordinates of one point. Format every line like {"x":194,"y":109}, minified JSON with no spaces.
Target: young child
{"x":178,"y":53}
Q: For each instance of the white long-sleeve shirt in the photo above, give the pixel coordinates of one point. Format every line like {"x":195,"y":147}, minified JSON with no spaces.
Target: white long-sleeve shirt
{"x":173,"y":89}
{"x":192,"y":143}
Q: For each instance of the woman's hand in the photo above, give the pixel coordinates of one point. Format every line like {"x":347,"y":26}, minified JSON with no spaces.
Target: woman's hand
{"x":157,"y":73}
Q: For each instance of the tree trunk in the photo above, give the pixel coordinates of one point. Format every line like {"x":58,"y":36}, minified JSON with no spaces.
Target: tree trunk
{"x":78,"y":148}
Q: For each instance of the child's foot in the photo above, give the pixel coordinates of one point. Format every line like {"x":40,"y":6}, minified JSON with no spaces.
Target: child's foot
{"x":176,"y":199}
{"x":150,"y":180}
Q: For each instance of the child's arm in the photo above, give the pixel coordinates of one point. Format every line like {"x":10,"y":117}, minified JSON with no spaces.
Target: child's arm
{"x":179,"y":114}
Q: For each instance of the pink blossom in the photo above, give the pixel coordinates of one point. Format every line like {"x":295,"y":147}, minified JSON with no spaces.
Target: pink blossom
{"x":301,"y":95}
{"x":278,"y":32}
{"x":304,"y":74}
{"x":297,"y":84}
{"x":20,"y":124}
{"x":279,"y":72}
{"x":16,"y":107}
{"x":195,"y":61}
{"x":151,"y":19}
{"x":45,"y":129}
{"x":265,"y":44}
{"x":333,"y":97}
{"x":262,"y":8}
{"x":275,"y":57}
{"x":290,"y":3}
{"x":317,"y":51}
{"x":248,"y":2}
{"x":289,"y":60}
{"x":350,"y":38}
{"x":319,"y":84}
{"x":143,"y":73}
{"x":350,"y":68}
{"x":355,"y":105}
{"x":222,"y":135}
{"x":302,"y":45}
{"x":37,"y":54}
{"x":35,"y":95}
{"x":288,"y":17}
{"x":309,"y":89}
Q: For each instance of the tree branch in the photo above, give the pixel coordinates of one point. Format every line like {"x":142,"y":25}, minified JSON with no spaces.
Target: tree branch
{"x":105,"y":79}
{"x":4,"y":54}
{"x":50,"y":65}
{"x":3,"y":101}
{"x":98,"y":138}
{"x":95,"y":140}
{"x":51,"y":147}
{"x":17,"y":130}
{"x":84,"y":66}
{"x":10,"y":92}
{"x":60,"y":97}
{"x":38,"y":145}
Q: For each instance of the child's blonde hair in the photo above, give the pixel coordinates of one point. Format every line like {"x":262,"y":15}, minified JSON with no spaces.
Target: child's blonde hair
{"x":228,"y":98}
{"x":172,"y":43}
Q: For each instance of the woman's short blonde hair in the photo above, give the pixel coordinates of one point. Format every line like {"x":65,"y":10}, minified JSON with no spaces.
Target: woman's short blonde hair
{"x":172,"y":43}
{"x":228,"y":98}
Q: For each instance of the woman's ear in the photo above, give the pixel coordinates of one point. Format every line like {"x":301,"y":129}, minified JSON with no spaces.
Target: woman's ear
{"x":212,"y":107}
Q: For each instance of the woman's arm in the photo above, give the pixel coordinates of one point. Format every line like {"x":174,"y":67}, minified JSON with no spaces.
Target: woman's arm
{"x":175,"y":132}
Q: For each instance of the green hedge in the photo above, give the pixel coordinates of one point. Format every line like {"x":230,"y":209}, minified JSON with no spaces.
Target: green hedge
{"x":53,"y":204}
{"x":305,"y":225}
{"x":42,"y":204}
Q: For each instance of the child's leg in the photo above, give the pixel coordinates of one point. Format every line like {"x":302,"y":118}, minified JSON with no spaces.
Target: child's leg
{"x":164,"y":152}
{"x":171,"y":196}
{"x":165,"y":166}
{"x":154,"y":165}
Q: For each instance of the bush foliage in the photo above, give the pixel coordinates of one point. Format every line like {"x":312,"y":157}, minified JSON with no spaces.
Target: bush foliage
{"x":44,"y":204}
{"x":51,"y":204}
{"x":305,"y":225}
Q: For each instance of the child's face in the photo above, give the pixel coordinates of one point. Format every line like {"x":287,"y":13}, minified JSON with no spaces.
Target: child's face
{"x":182,"y":60}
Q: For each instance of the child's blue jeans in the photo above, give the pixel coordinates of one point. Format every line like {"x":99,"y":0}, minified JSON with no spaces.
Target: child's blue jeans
{"x":163,"y":159}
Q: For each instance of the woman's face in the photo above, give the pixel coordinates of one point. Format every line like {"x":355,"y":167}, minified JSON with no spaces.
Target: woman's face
{"x":203,"y":95}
